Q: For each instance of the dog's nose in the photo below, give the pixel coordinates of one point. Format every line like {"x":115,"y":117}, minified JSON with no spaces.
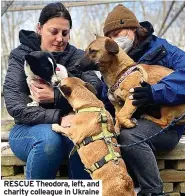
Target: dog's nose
{"x":56,"y":83}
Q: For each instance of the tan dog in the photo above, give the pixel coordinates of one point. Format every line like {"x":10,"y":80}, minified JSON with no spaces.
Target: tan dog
{"x":93,"y":126}
{"x":120,"y":73}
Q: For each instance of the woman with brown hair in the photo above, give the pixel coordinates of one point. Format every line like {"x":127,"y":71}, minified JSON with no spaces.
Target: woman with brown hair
{"x":32,"y":139}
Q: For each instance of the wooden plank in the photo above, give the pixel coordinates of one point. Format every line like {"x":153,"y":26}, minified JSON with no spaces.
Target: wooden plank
{"x":168,"y":187}
{"x":178,"y":153}
{"x":180,"y":187}
{"x":172,"y":175}
{"x":9,"y":159}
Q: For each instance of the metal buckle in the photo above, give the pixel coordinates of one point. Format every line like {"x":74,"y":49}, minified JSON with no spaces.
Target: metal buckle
{"x":88,"y":170}
{"x":116,"y":160}
{"x":107,"y":140}
{"x":100,"y":163}
{"x":103,"y":119}
{"x":87,"y":140}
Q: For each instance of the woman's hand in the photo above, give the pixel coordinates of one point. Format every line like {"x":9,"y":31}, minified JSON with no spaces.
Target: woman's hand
{"x":66,"y":121}
{"x":42,"y":92}
{"x":141,"y":95}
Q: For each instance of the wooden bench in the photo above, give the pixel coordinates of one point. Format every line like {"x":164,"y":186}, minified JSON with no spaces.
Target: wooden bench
{"x":171,"y":166}
{"x":12,"y":167}
{"x":172,"y":169}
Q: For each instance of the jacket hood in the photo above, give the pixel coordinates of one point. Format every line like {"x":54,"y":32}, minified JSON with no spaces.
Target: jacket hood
{"x":147,"y":25}
{"x":30,"y":39}
{"x":140,"y":50}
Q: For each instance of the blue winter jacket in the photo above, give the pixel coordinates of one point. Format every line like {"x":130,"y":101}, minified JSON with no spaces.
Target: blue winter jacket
{"x":157,"y":51}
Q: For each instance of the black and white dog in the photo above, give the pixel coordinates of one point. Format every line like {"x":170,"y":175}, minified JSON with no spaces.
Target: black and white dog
{"x":41,"y":66}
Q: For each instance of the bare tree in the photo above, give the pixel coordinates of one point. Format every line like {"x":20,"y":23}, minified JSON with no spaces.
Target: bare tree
{"x":10,"y":25}
{"x":5,"y":5}
{"x":88,"y":20}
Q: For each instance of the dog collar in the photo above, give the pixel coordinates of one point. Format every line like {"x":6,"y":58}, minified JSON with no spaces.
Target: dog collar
{"x":123,"y":76}
{"x":90,"y":109}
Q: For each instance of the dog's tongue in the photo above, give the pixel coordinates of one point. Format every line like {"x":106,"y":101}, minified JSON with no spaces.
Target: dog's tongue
{"x":57,"y":69}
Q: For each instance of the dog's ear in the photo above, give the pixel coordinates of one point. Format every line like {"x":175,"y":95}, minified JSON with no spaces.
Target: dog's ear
{"x":31,"y":59}
{"x":97,"y":36}
{"x":111,"y":46}
{"x":65,"y":90}
{"x":91,"y":88}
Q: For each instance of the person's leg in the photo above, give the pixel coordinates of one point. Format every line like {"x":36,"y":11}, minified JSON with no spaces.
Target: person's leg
{"x":40,"y":147}
{"x":140,"y":159}
{"x":76,"y":167}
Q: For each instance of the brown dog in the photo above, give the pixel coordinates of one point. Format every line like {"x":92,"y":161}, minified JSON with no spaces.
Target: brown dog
{"x":120,"y":73}
{"x":92,"y":131}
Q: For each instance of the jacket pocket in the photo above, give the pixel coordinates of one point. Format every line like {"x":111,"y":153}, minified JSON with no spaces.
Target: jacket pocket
{"x":155,"y":56}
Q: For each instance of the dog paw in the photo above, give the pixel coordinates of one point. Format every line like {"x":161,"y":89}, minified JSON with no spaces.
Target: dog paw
{"x":143,"y":116}
{"x":128,"y":124}
{"x":55,"y":127}
{"x":34,"y":103}
{"x":117,"y":129}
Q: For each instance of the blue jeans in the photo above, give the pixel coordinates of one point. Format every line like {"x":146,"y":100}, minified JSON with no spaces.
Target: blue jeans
{"x":43,"y":150}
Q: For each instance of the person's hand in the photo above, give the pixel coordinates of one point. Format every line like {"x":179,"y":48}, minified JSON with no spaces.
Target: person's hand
{"x":42,"y":92}
{"x":141,"y":95}
{"x":66,"y":121}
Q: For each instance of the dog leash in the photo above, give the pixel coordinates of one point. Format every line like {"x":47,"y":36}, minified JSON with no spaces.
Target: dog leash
{"x":146,"y":139}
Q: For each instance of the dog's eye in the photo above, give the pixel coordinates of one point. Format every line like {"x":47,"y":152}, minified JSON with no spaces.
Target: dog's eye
{"x":91,"y":51}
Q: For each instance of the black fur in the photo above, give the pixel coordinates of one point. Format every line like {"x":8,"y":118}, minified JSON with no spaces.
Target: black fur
{"x":40,"y":65}
{"x":85,"y":64}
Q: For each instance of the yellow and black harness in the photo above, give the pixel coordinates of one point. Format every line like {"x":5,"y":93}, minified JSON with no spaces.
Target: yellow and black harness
{"x":105,"y":134}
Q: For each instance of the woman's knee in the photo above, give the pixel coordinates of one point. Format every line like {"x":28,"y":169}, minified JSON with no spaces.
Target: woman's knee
{"x":126,"y":136}
{"x":52,"y":142}
{"x":48,"y":141}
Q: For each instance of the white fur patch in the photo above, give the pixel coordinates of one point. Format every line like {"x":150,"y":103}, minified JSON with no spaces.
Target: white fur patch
{"x":30,"y":76}
{"x":60,"y":75}
{"x":33,"y":103}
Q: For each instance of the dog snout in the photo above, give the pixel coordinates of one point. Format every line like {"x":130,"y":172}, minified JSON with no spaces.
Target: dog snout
{"x":56,"y":83}
{"x":86,"y":64}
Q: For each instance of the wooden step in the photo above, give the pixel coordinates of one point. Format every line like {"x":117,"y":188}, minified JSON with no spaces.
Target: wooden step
{"x":7,"y":124}
{"x":172,"y":175}
{"x":22,"y":177}
{"x":9,"y":159}
{"x":5,"y":135}
{"x":178,"y":153}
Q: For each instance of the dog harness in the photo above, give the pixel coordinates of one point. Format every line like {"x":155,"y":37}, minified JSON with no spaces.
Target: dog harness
{"x":105,"y":135}
{"x":123,"y":76}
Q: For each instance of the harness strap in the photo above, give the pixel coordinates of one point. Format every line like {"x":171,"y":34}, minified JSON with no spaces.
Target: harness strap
{"x":90,"y":139}
{"x":103,"y":161}
{"x":90,"y":109}
{"x":105,"y":134}
{"x":87,"y":140}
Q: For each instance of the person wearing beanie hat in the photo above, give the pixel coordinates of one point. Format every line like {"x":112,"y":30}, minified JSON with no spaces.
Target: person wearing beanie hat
{"x":120,"y":17}
{"x":137,"y":40}
{"x":32,"y":139}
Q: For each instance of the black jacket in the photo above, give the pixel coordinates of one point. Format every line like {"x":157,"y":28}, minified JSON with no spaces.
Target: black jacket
{"x":16,"y":91}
